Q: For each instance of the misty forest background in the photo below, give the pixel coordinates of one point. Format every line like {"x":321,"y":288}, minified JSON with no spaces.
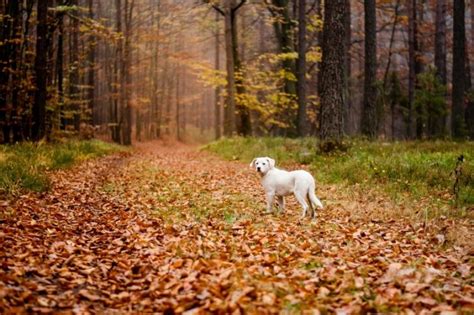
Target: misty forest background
{"x":199,"y":70}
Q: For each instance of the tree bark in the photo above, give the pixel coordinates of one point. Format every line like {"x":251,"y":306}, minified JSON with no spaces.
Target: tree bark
{"x":459,"y":70}
{"x":440,"y":61}
{"x":369,"y":110}
{"x":412,"y":50}
{"x":301,"y":70}
{"x":470,"y":87}
{"x":9,"y":35}
{"x":347,"y":76}
{"x":91,"y":70}
{"x":284,"y":32}
{"x":217,"y":91}
{"x":244,"y":127}
{"x":117,"y":91}
{"x":41,"y":72}
{"x":127,"y":116}
{"x":230,"y":106}
{"x":332,"y":73}
{"x":74,"y":75}
{"x":234,"y":85}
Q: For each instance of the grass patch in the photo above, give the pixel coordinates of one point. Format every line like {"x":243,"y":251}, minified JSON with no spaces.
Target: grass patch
{"x":415,"y":170}
{"x":24,"y":166}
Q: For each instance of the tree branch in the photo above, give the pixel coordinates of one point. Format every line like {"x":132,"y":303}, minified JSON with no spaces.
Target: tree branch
{"x":216,"y":7}
{"x":242,"y":2}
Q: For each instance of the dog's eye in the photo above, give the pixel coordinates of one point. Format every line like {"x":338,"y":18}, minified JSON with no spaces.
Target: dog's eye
{"x":263,"y":163}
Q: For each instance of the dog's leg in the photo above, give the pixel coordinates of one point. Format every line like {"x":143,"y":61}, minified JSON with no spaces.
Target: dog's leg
{"x":270,"y":198}
{"x":281,"y":203}
{"x":311,"y":207}
{"x":302,"y":202}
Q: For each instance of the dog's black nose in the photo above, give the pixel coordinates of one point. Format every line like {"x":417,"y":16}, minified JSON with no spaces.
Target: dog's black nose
{"x":258,"y":169}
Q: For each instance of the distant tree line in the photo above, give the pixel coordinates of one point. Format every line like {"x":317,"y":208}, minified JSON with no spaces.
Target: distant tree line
{"x":202,"y":69}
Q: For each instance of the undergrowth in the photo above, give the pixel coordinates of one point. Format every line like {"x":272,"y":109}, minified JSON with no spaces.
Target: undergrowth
{"x":404,"y":170}
{"x":24,"y":166}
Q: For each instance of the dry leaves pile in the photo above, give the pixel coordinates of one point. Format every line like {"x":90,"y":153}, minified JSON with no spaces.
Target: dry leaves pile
{"x":170,"y":229}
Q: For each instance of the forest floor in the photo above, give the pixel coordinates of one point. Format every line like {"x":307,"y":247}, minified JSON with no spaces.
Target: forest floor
{"x":167,"y":228}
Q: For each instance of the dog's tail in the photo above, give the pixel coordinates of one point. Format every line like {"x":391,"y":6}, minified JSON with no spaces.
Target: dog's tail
{"x":314,"y":200}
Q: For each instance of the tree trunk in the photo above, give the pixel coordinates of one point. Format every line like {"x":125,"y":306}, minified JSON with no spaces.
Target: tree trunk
{"x":127,"y":116}
{"x":284,"y":33}
{"x":217,"y":91}
{"x":234,"y":85}
{"x":17,"y":60}
{"x":332,"y":73}
{"x":178,"y":83}
{"x":412,"y":50}
{"x":390,"y":45}
{"x":230,"y":107}
{"x":301,"y":70}
{"x":470,"y":88}
{"x":421,"y":111}
{"x":347,"y":75}
{"x":60,"y":70}
{"x":438,"y":127}
{"x":9,"y":35}
{"x":74,"y":75}
{"x":369,"y":110}
{"x":91,"y":70}
{"x":41,"y":72}
{"x":244,"y":127}
{"x":117,"y":91}
{"x":459,"y":74}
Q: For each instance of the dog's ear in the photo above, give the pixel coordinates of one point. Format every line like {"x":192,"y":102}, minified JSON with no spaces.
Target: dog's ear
{"x":252,"y":164}
{"x":271,"y":162}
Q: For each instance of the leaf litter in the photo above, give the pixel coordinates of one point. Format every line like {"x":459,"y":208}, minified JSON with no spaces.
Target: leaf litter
{"x":170,"y":229}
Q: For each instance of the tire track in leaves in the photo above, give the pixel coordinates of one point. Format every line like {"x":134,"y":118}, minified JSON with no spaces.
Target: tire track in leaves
{"x":170,"y":229}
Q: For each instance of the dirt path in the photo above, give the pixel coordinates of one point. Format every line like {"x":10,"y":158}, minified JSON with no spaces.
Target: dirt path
{"x":171,"y":229}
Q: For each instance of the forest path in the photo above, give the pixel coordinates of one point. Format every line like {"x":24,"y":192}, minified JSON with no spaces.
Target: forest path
{"x":168,"y":228}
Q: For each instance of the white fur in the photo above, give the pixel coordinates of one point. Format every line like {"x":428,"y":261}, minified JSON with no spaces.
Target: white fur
{"x":280,"y":183}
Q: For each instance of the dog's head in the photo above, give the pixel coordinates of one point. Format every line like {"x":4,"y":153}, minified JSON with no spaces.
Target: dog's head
{"x":263,"y":164}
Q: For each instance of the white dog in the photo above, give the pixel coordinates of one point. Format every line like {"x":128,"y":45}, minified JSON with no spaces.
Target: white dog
{"x":279,"y":183}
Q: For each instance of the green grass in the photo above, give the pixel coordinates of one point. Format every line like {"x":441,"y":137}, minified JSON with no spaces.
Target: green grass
{"x":401,"y":169}
{"x":24,"y":166}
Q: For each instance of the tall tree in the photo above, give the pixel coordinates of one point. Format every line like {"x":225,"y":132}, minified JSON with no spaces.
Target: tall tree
{"x":301,"y":70}
{"x":234,"y":71}
{"x":74,"y":69}
{"x":332,"y":73}
{"x":459,"y":69}
{"x":9,"y":37}
{"x":412,"y":51}
{"x":116,"y":86}
{"x":440,"y":59}
{"x":348,"y":110}
{"x":470,"y":84}
{"x":91,"y":68}
{"x":127,"y":63}
{"x":217,"y":91}
{"x":369,"y":110}
{"x":284,"y":30}
{"x":41,"y":72}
